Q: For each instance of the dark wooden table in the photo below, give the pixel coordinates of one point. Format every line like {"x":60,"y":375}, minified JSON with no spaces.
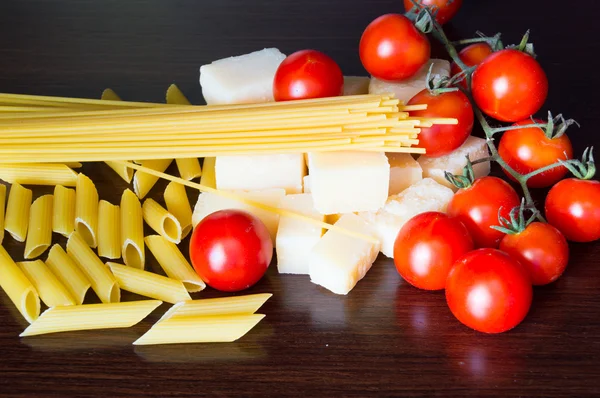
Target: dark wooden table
{"x":385,"y":338}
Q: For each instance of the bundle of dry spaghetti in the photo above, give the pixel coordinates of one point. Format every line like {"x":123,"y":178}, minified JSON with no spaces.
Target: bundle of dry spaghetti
{"x":55,"y":129}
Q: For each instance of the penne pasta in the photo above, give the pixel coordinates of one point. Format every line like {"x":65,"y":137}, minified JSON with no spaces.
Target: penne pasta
{"x":73,"y":165}
{"x":91,"y":316}
{"x":149,"y":284}
{"x":67,"y":271}
{"x":63,"y":214}
{"x":39,"y":237}
{"x":18,"y":288}
{"x":236,"y":305}
{"x":174,"y":263}
{"x":178,"y":204}
{"x":175,"y":96}
{"x":143,"y":182}
{"x":132,"y":230}
{"x":123,"y":172}
{"x":86,"y":210}
{"x":109,"y":230}
{"x":205,"y":329}
{"x":109,"y":95}
{"x":52,"y":292}
{"x":16,"y":221}
{"x":38,"y":174}
{"x":208,"y":178}
{"x":2,"y":210}
{"x":102,"y":280}
{"x":161,"y":221}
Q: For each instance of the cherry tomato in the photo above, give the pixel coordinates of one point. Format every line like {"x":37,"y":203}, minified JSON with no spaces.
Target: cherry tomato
{"x":573,"y":206}
{"x":478,"y":206}
{"x":471,"y":55}
{"x":528,"y":149}
{"x":307,"y":74}
{"x":441,"y":139}
{"x":427,"y":246}
{"x":509,"y":85}
{"x":488,"y":291}
{"x":231,"y":250}
{"x":541,"y":249}
{"x":392,"y":48}
{"x":446,"y":9}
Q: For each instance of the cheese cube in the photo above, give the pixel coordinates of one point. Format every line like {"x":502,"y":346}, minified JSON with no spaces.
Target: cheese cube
{"x":296,"y":238}
{"x":306,"y":184}
{"x":348,"y":181}
{"x":476,"y":148}
{"x":426,"y":195}
{"x":257,"y":172}
{"x":338,"y":261}
{"x":355,"y":85}
{"x":404,"y":172}
{"x":209,"y":203}
{"x":406,"y":89}
{"x":241,"y":79}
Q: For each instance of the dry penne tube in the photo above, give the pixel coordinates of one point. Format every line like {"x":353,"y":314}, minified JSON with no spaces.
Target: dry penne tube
{"x":2,"y":210}
{"x":204,"y":329}
{"x":132,"y":230}
{"x":143,"y":182}
{"x":39,"y":237}
{"x":109,"y":230}
{"x":178,"y":204}
{"x":161,"y":221}
{"x":174,"y":263}
{"x":86,"y":210}
{"x":73,"y":165}
{"x":102,"y":280}
{"x":208,"y":178}
{"x":16,"y":219}
{"x":109,"y":95}
{"x":18,"y":287}
{"x":63,"y":213}
{"x":236,"y":305}
{"x":52,"y":292}
{"x":91,"y":316}
{"x":38,"y":174}
{"x":149,"y":284}
{"x":67,"y":271}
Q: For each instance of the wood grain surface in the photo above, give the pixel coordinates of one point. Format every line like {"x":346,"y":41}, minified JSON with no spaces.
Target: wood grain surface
{"x":383,"y":339}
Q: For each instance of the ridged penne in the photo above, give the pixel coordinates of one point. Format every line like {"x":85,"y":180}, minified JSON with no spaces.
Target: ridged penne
{"x":174,"y":263}
{"x":38,"y":174}
{"x":235,"y":305}
{"x":39,"y":237}
{"x":132,"y":231}
{"x":161,"y":221}
{"x":149,"y":284}
{"x":63,"y":214}
{"x":2,"y":210}
{"x":178,"y":204}
{"x":143,"y":182}
{"x":86,"y":210}
{"x":16,"y":221}
{"x":209,"y":178}
{"x":18,"y":287}
{"x":52,"y":292}
{"x":189,"y":168}
{"x":109,"y":95}
{"x":67,"y":271}
{"x":124,"y":172}
{"x":91,"y":316}
{"x":109,"y":230}
{"x":102,"y":280}
{"x":73,"y":165}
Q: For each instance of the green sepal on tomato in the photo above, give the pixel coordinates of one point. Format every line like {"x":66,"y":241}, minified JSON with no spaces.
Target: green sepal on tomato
{"x":444,"y":10}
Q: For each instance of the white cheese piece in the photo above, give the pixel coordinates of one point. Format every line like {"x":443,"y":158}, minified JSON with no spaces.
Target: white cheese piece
{"x":257,"y":172}
{"x":348,"y":181}
{"x":476,"y":148}
{"x":306,"y":184}
{"x":426,"y":195}
{"x":241,"y":79}
{"x":338,"y":261}
{"x":406,"y":89}
{"x":404,"y":172}
{"x":296,"y":238}
{"x":209,"y":203}
{"x":355,"y":85}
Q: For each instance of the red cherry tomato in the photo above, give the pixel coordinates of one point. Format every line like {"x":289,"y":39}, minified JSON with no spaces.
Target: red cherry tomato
{"x":441,"y":139}
{"x":528,"y":149}
{"x":541,"y":249}
{"x":573,"y":206}
{"x":509,"y":85}
{"x":307,"y":74}
{"x":231,"y":250}
{"x":446,"y":9}
{"x":488,"y":291}
{"x":471,"y":55}
{"x":477,"y":208}
{"x":427,"y":246}
{"x":392,"y":48}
